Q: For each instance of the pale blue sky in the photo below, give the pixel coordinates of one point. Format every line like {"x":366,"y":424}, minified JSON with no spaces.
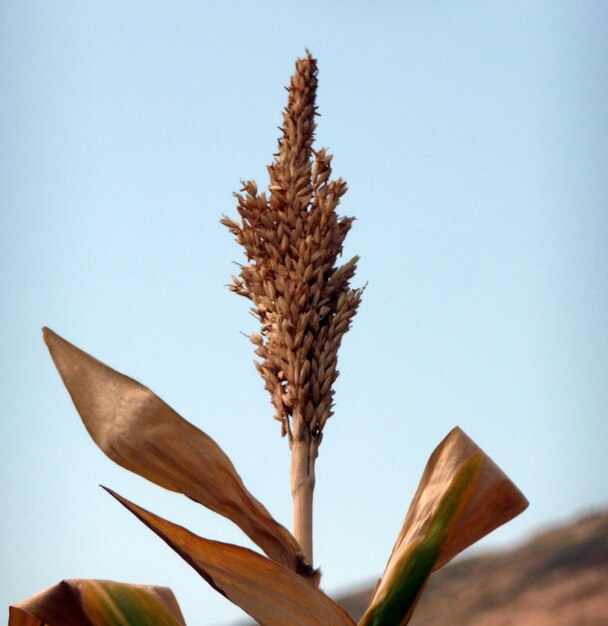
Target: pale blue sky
{"x":473,"y":137}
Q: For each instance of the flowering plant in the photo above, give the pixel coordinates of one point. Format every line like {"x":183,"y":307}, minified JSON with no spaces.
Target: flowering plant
{"x":292,"y":239}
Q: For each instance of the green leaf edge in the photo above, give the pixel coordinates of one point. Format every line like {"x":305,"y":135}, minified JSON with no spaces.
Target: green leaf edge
{"x":417,"y":563}
{"x":127,"y":606}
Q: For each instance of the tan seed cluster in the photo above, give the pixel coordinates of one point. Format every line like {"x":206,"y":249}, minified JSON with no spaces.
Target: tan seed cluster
{"x":292,"y":239}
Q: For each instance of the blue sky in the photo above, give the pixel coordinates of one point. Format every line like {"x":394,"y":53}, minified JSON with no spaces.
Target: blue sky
{"x":474,"y":141}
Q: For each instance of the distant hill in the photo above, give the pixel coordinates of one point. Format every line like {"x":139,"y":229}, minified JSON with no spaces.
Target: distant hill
{"x":558,"y":578}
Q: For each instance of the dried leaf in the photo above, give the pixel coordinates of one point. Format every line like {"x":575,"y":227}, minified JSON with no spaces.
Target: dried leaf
{"x":98,"y":603}
{"x":140,"y":432}
{"x":462,"y":496}
{"x":19,"y":617}
{"x":272,"y":594}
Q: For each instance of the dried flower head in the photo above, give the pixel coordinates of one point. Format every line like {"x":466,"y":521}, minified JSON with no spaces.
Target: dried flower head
{"x":292,"y":239}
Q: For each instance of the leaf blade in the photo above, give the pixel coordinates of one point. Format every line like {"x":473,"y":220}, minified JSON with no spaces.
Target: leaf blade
{"x":407,"y":575}
{"x":80,"y":602}
{"x":115,"y":603}
{"x":270,"y":593}
{"x":484,"y":498}
{"x":143,"y":434}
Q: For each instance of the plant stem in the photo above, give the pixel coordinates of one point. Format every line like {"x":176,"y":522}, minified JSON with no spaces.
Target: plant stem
{"x":302,"y":488}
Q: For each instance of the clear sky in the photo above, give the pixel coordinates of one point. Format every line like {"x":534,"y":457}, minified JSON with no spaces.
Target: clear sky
{"x":473,"y":137}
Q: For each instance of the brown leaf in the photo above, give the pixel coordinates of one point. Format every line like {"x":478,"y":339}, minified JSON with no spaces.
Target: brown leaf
{"x":140,"y":432}
{"x":19,"y":617}
{"x":58,"y":604}
{"x":462,"y":496}
{"x":495,"y":501}
{"x":272,"y":594}
{"x":98,"y":603}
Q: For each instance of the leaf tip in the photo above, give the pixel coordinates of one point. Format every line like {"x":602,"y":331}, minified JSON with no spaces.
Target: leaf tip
{"x":112,"y":493}
{"x":57,"y":346}
{"x":48,"y":335}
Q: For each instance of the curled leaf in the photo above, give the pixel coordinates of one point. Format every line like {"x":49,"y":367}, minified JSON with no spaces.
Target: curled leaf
{"x":462,"y":496}
{"x":272,"y":594}
{"x":140,"y":432}
{"x":98,"y":603}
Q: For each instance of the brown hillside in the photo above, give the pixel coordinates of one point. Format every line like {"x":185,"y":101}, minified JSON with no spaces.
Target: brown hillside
{"x":558,"y":578}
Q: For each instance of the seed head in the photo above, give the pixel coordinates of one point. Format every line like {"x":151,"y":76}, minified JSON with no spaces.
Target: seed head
{"x":292,"y":239}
